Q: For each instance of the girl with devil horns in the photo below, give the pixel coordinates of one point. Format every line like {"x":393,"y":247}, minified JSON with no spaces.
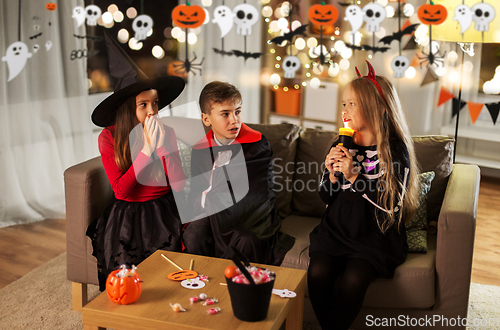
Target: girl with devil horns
{"x":362,"y":235}
{"x":142,"y":163}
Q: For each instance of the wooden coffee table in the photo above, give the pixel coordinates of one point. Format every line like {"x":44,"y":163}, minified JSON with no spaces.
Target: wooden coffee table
{"x":152,"y":309}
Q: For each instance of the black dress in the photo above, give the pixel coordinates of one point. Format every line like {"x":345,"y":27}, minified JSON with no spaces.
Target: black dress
{"x":349,"y":227}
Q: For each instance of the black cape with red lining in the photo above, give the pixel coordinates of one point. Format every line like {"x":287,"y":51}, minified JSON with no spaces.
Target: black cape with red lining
{"x":241,"y":197}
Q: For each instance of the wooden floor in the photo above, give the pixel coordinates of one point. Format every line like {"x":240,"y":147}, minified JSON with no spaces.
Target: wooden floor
{"x":25,"y":247}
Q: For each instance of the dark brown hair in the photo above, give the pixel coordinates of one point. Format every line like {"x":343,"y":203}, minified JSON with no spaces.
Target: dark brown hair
{"x":126,"y":120}
{"x":218,"y":92}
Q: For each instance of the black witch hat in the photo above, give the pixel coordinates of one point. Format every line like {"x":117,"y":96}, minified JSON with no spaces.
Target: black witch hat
{"x":128,"y":81}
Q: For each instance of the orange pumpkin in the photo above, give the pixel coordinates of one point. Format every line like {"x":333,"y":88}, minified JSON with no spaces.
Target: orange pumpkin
{"x":323,"y":14}
{"x":432,"y":14}
{"x":51,"y":6}
{"x":182,"y":275}
{"x":123,"y":290}
{"x":188,"y":17}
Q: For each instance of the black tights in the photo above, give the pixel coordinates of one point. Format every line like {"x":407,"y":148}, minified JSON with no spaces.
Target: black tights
{"x":337,"y":287}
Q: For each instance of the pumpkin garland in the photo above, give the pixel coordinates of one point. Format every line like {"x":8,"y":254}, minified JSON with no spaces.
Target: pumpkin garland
{"x":322,"y":15}
{"x":188,"y":17}
{"x":432,"y":14}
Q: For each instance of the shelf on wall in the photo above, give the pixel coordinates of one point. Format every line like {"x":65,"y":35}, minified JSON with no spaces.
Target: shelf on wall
{"x":478,"y":161}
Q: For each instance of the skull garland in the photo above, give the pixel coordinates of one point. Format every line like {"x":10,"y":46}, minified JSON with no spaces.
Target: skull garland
{"x":374,"y":14}
{"x":92,"y":12}
{"x":245,"y":17}
{"x":483,"y":14}
{"x":141,"y":25}
{"x":399,"y":65}
{"x":291,"y":64}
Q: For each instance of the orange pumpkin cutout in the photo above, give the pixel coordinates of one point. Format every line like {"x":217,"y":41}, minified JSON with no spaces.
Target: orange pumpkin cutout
{"x":188,"y":17}
{"x":182,"y":275}
{"x":323,"y":14}
{"x":123,"y":290}
{"x":432,"y":14}
{"x":51,"y":6}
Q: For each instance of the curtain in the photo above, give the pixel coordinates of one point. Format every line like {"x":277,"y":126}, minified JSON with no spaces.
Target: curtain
{"x":245,"y":75}
{"x":45,"y":122}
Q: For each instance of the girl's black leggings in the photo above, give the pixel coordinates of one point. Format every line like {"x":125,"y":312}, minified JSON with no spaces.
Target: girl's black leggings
{"x":337,"y":287}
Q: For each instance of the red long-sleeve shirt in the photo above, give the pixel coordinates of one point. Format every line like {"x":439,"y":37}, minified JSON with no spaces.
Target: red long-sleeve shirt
{"x":125,"y":184}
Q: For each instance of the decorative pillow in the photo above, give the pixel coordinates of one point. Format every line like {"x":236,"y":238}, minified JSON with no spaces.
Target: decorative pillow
{"x":185,"y":155}
{"x":416,"y":228}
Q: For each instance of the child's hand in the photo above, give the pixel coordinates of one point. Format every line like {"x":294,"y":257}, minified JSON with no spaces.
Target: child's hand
{"x":333,"y":156}
{"x":161,"y":133}
{"x":150,"y":135}
{"x":345,"y":164}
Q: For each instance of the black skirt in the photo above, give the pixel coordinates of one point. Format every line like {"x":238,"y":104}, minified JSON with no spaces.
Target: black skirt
{"x":129,"y":232}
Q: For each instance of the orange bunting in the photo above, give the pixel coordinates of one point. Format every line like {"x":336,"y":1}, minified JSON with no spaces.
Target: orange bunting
{"x":444,"y":96}
{"x":474,"y":110}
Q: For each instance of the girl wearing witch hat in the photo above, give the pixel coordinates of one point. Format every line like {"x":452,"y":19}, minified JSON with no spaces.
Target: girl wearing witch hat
{"x":142,"y":163}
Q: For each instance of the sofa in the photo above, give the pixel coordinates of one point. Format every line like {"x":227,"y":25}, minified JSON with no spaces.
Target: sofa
{"x":428,"y":287}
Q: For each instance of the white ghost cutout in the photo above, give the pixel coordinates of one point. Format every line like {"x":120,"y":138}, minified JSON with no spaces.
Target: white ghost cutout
{"x":92,"y":13}
{"x":16,"y":56}
{"x":193,"y":283}
{"x":399,"y":65}
{"x":463,"y":15}
{"x":35,"y":48}
{"x":291,"y":64}
{"x":354,"y":15}
{"x":141,"y":25}
{"x":224,"y":17}
{"x":285,"y":293}
{"x":48,"y":45}
{"x":245,"y":17}
{"x":374,"y":14}
{"x":79,"y":15}
{"x":483,"y":14}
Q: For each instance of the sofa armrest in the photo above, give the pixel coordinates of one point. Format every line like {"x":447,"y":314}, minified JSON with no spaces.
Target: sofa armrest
{"x":455,"y":241}
{"x":87,"y":193}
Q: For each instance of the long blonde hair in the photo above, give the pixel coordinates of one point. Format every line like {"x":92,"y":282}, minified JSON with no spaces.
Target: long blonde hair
{"x":387,"y":121}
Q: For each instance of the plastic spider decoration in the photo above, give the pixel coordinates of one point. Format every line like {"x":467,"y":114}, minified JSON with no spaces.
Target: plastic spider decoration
{"x":189,"y":66}
{"x":431,"y":58}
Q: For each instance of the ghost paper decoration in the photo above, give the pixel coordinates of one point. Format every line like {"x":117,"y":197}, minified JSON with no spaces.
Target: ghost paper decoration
{"x":48,"y":45}
{"x":142,"y":25}
{"x":79,"y":15}
{"x":193,"y":283}
{"x":224,"y":17}
{"x":483,"y":13}
{"x":463,"y":15}
{"x":35,"y":48}
{"x":374,"y":14}
{"x":92,"y":13}
{"x":354,"y":15}
{"x":399,"y":65}
{"x":290,"y":65}
{"x":16,"y":56}
{"x":245,"y":17}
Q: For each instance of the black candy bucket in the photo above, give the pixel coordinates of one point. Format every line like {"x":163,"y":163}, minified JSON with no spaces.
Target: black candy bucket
{"x":250,"y":302}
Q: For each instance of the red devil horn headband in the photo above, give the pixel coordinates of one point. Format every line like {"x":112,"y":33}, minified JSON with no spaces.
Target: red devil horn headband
{"x":372,"y":77}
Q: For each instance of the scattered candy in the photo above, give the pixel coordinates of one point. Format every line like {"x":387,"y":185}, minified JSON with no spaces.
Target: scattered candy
{"x":177,"y":307}
{"x":193,"y":299}
{"x":210,"y":301}
{"x":203,"y":278}
{"x":203,"y":296}
{"x":214,"y":311}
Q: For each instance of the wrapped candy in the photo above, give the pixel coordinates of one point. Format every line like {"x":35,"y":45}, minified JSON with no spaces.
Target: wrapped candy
{"x":259,"y":276}
{"x":177,"y":307}
{"x":203,"y":296}
{"x":213,"y":311}
{"x":194,"y":299}
{"x":210,"y":301}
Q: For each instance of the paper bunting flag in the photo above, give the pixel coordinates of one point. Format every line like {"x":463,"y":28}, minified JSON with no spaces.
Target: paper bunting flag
{"x":456,"y":107}
{"x":411,"y":44}
{"x":444,"y":96}
{"x":474,"y":110}
{"x":430,"y":76}
{"x":494,"y":109}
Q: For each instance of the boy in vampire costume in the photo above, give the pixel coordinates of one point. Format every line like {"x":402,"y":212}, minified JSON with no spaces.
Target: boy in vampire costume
{"x":231,"y":195}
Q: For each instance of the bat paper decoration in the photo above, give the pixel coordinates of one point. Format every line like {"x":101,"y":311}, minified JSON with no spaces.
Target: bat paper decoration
{"x":246,"y":55}
{"x":398,"y":35}
{"x":222,"y":52}
{"x":35,"y":36}
{"x":301,"y":30}
{"x":344,"y":4}
{"x":368,"y":48}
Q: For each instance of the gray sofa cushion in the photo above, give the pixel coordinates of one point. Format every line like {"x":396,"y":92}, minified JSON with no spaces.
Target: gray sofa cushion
{"x":413,"y":285}
{"x":283,"y":141}
{"x":311,"y":151}
{"x":435,"y":153}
